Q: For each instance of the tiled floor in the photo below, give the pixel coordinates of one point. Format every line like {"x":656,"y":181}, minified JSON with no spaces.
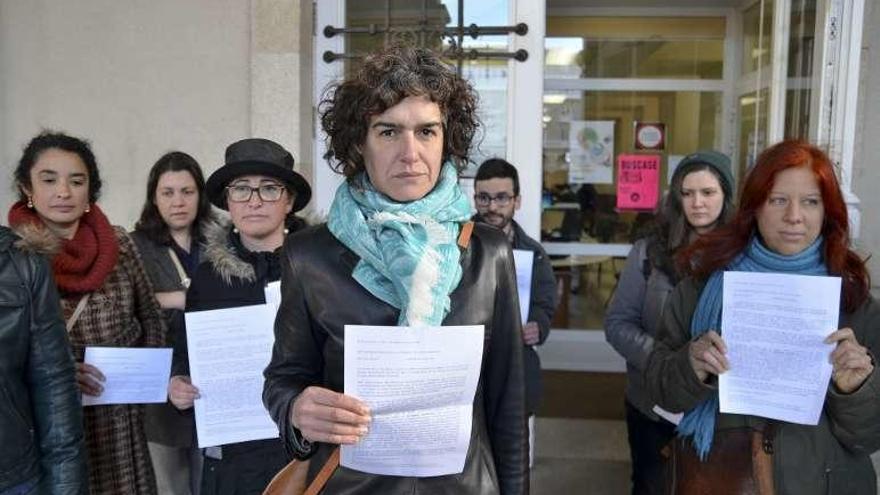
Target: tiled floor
{"x":580,"y":456}
{"x":586,"y":457}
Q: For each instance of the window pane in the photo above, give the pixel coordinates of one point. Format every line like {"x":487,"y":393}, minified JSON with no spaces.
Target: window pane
{"x":757,"y":36}
{"x":800,"y":69}
{"x":635,"y":47}
{"x":753,"y":128}
{"x":575,"y":211}
{"x":488,"y":76}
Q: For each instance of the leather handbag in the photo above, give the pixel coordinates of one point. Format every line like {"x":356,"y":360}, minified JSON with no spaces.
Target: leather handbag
{"x":291,"y":480}
{"x":740,"y":463}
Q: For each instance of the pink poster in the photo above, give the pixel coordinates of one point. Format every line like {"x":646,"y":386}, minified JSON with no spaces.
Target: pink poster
{"x":638,"y":181}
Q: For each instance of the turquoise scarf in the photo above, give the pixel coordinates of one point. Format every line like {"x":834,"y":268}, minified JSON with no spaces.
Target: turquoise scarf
{"x":699,"y":422}
{"x":409,"y":255}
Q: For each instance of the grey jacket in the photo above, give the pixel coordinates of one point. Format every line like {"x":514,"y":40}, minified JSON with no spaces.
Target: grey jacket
{"x":831,"y":457}
{"x":632,"y":318}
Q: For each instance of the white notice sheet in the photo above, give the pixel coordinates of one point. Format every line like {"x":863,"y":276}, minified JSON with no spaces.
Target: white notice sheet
{"x":522,"y":263}
{"x":228,"y":349}
{"x":419,"y":384}
{"x":774,"y":325}
{"x":134,"y":375}
{"x":273,"y":296}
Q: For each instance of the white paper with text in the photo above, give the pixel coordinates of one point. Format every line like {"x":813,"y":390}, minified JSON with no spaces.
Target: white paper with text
{"x":228,"y":350}
{"x":133,"y":375}
{"x":419,"y":384}
{"x":774,"y":325}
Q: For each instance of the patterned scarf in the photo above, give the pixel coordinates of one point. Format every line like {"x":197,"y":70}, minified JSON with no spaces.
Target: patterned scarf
{"x":409,"y":256}
{"x":84,"y":262}
{"x":699,"y":422}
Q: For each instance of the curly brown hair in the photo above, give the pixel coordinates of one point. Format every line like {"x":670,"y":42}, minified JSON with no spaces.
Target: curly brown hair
{"x":384,"y":80}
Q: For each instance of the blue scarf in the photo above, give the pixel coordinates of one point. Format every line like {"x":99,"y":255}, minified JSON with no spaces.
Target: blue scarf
{"x":699,"y":422}
{"x":409,"y":255}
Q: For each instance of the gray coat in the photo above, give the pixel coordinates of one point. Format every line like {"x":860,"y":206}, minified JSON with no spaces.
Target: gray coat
{"x":163,"y":423}
{"x":632,"y":318}
{"x":831,"y":457}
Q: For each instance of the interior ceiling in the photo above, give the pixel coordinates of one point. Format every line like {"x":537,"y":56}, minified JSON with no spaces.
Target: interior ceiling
{"x":642,"y":3}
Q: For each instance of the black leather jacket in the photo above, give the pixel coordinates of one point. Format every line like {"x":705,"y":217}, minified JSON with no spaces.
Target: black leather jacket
{"x":320,"y":297}
{"x":41,"y":433}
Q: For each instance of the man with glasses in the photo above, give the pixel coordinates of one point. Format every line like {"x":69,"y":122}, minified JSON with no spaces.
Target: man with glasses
{"x":496,"y":195}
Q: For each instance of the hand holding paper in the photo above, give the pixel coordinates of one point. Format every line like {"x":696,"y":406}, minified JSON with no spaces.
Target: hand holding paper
{"x":323,"y":415}
{"x":707,"y":355}
{"x":851,"y":362}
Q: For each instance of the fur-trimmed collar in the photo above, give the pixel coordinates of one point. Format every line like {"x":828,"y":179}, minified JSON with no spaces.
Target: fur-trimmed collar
{"x":37,"y":239}
{"x":222,"y":256}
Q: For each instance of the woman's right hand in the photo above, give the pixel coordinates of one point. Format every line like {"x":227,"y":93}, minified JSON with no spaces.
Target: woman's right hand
{"x":89,"y":379}
{"x":322,"y":415}
{"x":181,"y":392}
{"x":708,"y":355}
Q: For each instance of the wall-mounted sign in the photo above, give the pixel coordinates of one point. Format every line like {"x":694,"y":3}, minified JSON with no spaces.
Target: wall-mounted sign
{"x":650,"y":136}
{"x":591,"y":148}
{"x":638,"y":181}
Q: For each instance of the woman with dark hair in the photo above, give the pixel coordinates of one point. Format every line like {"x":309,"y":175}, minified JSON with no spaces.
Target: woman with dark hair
{"x":398,"y":249}
{"x":106,"y":296}
{"x":791,"y":219}
{"x":169,"y":237}
{"x":262,"y":192}
{"x":700,"y":198}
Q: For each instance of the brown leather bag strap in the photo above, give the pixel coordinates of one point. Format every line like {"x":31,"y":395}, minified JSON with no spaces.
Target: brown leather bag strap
{"x":464,"y":238}
{"x":324,"y":474}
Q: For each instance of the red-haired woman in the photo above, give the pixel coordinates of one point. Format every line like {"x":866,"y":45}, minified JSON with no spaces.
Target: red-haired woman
{"x":791,"y":219}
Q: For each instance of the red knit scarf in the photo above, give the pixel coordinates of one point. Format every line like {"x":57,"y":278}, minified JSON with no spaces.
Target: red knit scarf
{"x":84,"y":262}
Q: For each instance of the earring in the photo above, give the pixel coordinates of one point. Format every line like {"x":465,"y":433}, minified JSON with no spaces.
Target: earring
{"x":234,"y":230}
{"x":88,"y":208}
{"x":30,"y":203}
{"x":286,"y":231}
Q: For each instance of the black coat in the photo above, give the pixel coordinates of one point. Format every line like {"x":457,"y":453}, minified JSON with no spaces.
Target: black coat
{"x":231,"y":276}
{"x":41,"y":432}
{"x":319,"y":297}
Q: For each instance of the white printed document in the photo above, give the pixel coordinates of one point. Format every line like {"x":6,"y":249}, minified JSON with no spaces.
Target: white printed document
{"x":273,"y":297}
{"x":522,"y":263}
{"x":228,"y":350}
{"x":774,"y":326}
{"x":419,"y":384}
{"x":134,"y":375}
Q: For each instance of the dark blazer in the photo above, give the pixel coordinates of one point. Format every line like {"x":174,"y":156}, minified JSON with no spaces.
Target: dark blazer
{"x":319,"y":297}
{"x":542,"y":306}
{"x":41,"y":432}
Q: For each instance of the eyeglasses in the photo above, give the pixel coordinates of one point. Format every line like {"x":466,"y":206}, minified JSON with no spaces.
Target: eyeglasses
{"x":501,"y":199}
{"x":242,"y":193}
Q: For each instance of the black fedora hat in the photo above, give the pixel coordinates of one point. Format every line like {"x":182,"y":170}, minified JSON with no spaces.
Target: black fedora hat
{"x":255,"y":156}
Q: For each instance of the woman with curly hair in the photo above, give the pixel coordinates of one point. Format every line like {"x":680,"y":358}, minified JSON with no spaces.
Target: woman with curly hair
{"x":397,"y":251}
{"x":106,"y":297}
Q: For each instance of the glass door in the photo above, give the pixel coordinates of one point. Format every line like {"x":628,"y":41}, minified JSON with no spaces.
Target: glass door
{"x":640,"y":85}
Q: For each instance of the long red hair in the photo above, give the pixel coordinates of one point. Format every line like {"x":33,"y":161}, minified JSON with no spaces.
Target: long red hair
{"x":718,"y":248}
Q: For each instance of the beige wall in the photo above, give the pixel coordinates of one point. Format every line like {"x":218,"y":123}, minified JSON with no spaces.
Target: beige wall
{"x":136,"y":78}
{"x":866,"y":166}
